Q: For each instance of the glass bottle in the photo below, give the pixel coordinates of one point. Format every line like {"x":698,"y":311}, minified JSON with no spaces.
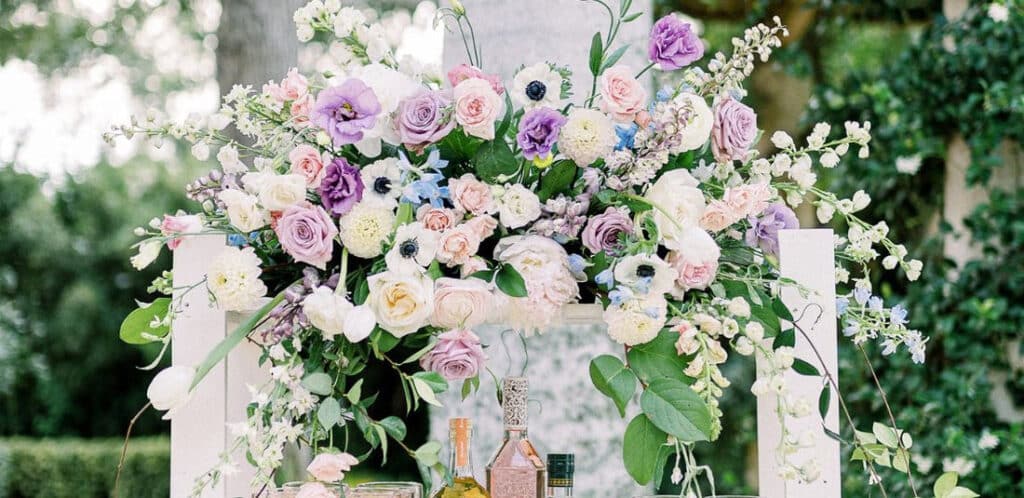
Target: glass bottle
{"x":561,"y":467}
{"x":464,"y":484}
{"x":516,"y":470}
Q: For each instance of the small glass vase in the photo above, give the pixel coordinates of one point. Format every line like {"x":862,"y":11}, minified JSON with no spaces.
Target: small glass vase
{"x":387,"y":490}
{"x":291,"y":490}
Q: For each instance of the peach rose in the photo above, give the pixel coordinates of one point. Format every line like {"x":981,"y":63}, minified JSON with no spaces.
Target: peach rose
{"x":471,"y":195}
{"x":437,"y":219}
{"x":306,"y":162}
{"x":747,"y":200}
{"x":300,"y":109}
{"x":718,"y":216}
{"x":292,"y":87}
{"x":457,"y":245}
{"x":622,"y":96}
{"x":461,"y":303}
{"x":483,"y":226}
{"x":475,"y":264}
{"x":477,"y":107}
{"x":331,"y":467}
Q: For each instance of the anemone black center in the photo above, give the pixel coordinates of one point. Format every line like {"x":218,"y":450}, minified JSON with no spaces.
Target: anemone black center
{"x":645,"y":271}
{"x":536,"y":90}
{"x":382,"y":185}
{"x":408,"y":248}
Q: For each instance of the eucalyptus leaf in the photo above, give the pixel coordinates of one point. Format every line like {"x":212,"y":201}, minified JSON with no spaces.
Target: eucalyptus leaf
{"x":329,"y":413}
{"x":424,"y":392}
{"x":657,"y":359}
{"x":494,"y":159}
{"x":427,"y":454}
{"x":319,"y":383}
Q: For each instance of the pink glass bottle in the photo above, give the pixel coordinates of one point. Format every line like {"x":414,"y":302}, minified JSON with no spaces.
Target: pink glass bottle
{"x":516,"y":470}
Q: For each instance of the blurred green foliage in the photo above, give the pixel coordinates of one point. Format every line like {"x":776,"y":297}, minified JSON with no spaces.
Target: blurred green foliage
{"x":74,"y":468}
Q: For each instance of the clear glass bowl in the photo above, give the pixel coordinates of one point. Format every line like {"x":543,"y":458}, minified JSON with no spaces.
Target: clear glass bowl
{"x":387,"y":490}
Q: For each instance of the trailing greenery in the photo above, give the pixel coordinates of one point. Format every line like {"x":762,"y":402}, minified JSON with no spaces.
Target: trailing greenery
{"x":75,"y":468}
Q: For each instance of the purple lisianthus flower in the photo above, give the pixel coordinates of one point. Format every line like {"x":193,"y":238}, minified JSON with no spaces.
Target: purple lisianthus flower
{"x":538,"y":131}
{"x":424,"y":118}
{"x":764,"y":229}
{"x":345,"y":111}
{"x":673,"y":43}
{"x":734,"y":130}
{"x":341,"y":188}
{"x":602,"y":231}
{"x":307,"y":234}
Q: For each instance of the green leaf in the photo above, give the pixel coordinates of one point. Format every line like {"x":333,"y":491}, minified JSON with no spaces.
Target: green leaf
{"x":781,"y":310}
{"x":901,"y":460}
{"x":424,"y":391}
{"x":355,"y":392}
{"x":657,"y":359}
{"x":596,"y":52}
{"x":138,"y":322}
{"x":945,"y":484}
{"x":383,"y":341}
{"x":225,"y":346}
{"x":961,"y":492}
{"x":558,"y":177}
{"x":428,"y":453}
{"x":494,"y":159}
{"x":511,"y":282}
{"x":804,"y":368}
{"x":767,"y":318}
{"x":632,"y":17}
{"x":885,"y":435}
{"x":640,"y":447}
{"x":613,"y":379}
{"x":432,"y":379}
{"x":824,"y":399}
{"x":502,"y":127}
{"x":614,"y":57}
{"x":395,"y":427}
{"x":785,"y":338}
{"x":319,"y":383}
{"x":329,"y":413}
{"x":459,"y":147}
{"x":677,"y":410}
{"x":404,"y":214}
{"x":383,"y":438}
{"x":423,"y":351}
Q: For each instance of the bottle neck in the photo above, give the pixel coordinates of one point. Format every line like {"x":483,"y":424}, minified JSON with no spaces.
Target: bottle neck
{"x":515,"y":433}
{"x":461,"y":461}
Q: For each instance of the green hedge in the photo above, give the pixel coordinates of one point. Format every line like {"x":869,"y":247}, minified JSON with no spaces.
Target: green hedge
{"x":82,"y":468}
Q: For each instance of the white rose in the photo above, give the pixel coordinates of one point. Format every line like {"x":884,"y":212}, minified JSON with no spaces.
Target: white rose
{"x":402,"y":303}
{"x":679,"y":202}
{"x":326,"y":311}
{"x":695,"y":132}
{"x":518,"y":206}
{"x":243,"y":211}
{"x":171,"y":389}
{"x":148,"y":252}
{"x":277,"y":192}
{"x":234,"y":279}
{"x":391,"y":87}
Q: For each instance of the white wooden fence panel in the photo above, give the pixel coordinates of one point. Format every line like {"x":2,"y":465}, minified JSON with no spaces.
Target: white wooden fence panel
{"x":806,"y":256}
{"x":243,"y":370}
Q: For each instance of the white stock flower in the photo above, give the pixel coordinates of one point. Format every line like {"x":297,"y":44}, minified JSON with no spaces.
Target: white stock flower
{"x":365,"y":228}
{"x":829,"y":159}
{"x":234,"y":279}
{"x":243,"y":211}
{"x":739,"y":307}
{"x":755,"y":331}
{"x":908,"y":164}
{"x":518,"y":206}
{"x":346,"y":21}
{"x":636,"y":321}
{"x":744,"y":346}
{"x":537,"y":86}
{"x":825,"y":212}
{"x":988,"y":441}
{"x":201,"y":151}
{"x":171,"y":389}
{"x":149,"y":250}
{"x":694,"y":133}
{"x":860,"y":200}
{"x":587,"y":136}
{"x":402,"y":302}
{"x":678,"y":203}
{"x":227,"y":156}
{"x":782,"y":140}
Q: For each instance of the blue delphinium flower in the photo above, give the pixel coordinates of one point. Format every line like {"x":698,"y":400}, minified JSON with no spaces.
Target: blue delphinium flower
{"x":619,"y":295}
{"x":239,"y":240}
{"x":627,"y":136}
{"x":861,"y":295}
{"x":423,"y":182}
{"x":578,"y":266}
{"x":842,"y":303}
{"x":875,"y":304}
{"x":605,"y":278}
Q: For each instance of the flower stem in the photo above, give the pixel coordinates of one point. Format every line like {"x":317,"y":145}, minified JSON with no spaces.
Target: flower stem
{"x":343,"y":274}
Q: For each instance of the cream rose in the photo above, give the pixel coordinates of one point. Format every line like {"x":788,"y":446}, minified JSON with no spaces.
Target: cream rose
{"x":402,"y":302}
{"x":243,"y":211}
{"x":471,"y":195}
{"x":461,"y":303}
{"x":518,"y":207}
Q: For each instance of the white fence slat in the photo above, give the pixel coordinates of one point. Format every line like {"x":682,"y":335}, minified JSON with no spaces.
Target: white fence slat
{"x":807,"y":256}
{"x":243,"y":369}
{"x":198,"y":433}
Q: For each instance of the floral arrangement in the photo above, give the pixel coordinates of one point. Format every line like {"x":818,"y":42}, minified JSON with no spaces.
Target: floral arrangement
{"x":383,"y":209}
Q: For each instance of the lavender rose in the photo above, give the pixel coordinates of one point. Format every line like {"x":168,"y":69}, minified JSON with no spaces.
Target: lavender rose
{"x":602,"y":231}
{"x":538,"y":131}
{"x":673,"y":44}
{"x":764,"y":229}
{"x":341,"y":188}
{"x":734,"y":130}
{"x":307,"y":234}
{"x":423,"y":119}
{"x":345,"y":111}
{"x":458,"y":355}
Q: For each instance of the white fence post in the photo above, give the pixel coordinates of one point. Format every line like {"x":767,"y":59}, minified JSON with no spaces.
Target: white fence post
{"x":806,"y":256}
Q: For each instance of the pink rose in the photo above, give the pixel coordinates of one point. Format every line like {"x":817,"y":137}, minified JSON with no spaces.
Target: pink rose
{"x":463,"y":72}
{"x":315,"y":490}
{"x":458,"y":355}
{"x":306,"y":161}
{"x":292,"y":87}
{"x":748,"y":200}
{"x":180,"y":224}
{"x":692,"y":274}
{"x":622,"y":96}
{"x":457,"y":245}
{"x":437,"y":219}
{"x":331,"y":467}
{"x":718,"y":216}
{"x":483,"y":226}
{"x":471,"y":195}
{"x":300,"y":111}
{"x":477,"y":107}
{"x":475,"y":264}
{"x":306,"y":233}
{"x":461,"y":303}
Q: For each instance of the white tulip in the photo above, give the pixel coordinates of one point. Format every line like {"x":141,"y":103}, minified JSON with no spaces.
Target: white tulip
{"x":171,"y":389}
